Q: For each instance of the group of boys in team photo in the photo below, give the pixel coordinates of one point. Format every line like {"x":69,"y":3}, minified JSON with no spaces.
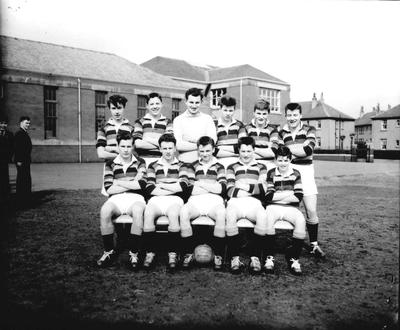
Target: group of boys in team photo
{"x":196,"y":166}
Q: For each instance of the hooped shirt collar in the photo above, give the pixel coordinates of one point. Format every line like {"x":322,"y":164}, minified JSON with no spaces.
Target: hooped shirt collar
{"x":111,"y":121}
{"x":214,"y":161}
{"x":164,"y":163}
{"x":252,"y":163}
{"x":287,"y":174}
{"x":118,"y":160}
{"x":287,"y":129}
{"x":150,"y":117}
{"x":219,"y":122}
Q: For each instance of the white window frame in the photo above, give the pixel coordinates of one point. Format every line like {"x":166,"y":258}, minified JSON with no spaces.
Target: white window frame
{"x":273,"y":96}
{"x":215,"y":97}
{"x":383,"y":144}
{"x":384,"y":125}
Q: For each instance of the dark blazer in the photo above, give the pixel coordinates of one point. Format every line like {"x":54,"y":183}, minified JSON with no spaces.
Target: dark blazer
{"x":22,"y":147}
{"x":6,"y":147}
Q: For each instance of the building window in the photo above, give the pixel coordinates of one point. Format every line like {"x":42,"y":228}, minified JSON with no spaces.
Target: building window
{"x":383,"y":144}
{"x":273,"y":96}
{"x":50,"y":112}
{"x":384,"y":125}
{"x":100,"y":110}
{"x":175,"y":108}
{"x":318,"y":142}
{"x":398,"y":123}
{"x":318,"y":124}
{"x":216,"y":95}
{"x":141,"y":106}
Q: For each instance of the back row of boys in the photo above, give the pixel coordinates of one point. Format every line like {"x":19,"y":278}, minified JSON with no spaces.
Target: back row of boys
{"x":189,"y":187}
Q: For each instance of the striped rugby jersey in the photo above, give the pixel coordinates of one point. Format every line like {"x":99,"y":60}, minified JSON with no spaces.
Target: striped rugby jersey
{"x":161,"y":172}
{"x":107,"y":136}
{"x":304,"y":137}
{"x":277,"y":182}
{"x":214,"y":173}
{"x":147,"y":126}
{"x":263,"y":136}
{"x":114,"y":169}
{"x":253,"y":174}
{"x":229,"y":135}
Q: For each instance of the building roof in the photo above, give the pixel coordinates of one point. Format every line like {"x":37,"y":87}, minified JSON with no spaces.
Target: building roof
{"x":365,"y":119}
{"x":175,"y":68}
{"x":35,"y":56}
{"x":322,"y":111}
{"x":389,"y":114}
{"x":183,"y":69}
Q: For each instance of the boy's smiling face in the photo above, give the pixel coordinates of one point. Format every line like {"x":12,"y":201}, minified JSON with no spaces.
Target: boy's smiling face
{"x":260,"y":116}
{"x":227,"y":112}
{"x":282,"y":163}
{"x":117,"y":112}
{"x":293,"y":118}
{"x":154,"y":106}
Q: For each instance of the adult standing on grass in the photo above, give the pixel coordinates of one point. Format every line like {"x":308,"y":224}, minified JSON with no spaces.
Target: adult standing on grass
{"x":6,"y":152}
{"x":191,"y":125}
{"x":22,"y":158}
{"x":300,"y":139}
{"x":124,"y":182}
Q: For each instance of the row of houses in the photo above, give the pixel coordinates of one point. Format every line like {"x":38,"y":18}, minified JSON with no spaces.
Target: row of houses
{"x":64,"y":91}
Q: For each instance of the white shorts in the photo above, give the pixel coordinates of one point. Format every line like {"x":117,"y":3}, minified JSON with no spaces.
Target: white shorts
{"x":164,"y":202}
{"x":307,"y":178}
{"x":205,"y":203}
{"x":124,"y":201}
{"x":246,"y":207}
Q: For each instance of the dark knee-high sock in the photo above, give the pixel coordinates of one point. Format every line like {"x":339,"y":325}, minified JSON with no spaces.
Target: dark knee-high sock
{"x":149,"y":241}
{"x":270,"y":245}
{"x":174,"y":239}
{"x":135,"y":243}
{"x":258,"y":244}
{"x":218,"y":245}
{"x":312,"y":231}
{"x":233,"y":245}
{"x":295,"y":249}
{"x":187,"y":245}
{"x":108,"y":242}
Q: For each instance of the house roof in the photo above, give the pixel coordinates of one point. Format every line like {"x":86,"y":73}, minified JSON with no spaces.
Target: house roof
{"x":175,"y":68}
{"x":365,"y":119}
{"x":389,"y":114}
{"x":35,"y":56}
{"x":322,"y":111}
{"x":183,"y":69}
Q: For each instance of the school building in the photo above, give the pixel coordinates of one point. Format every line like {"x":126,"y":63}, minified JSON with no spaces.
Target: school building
{"x":64,"y":91}
{"x":243,"y":82}
{"x":334,"y":129}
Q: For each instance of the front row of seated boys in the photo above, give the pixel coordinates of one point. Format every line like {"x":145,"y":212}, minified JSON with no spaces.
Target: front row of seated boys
{"x":183,"y":192}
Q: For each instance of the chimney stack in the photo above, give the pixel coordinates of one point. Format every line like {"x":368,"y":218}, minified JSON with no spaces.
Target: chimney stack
{"x":313,"y":101}
{"x":321,"y":99}
{"x":362,"y":111}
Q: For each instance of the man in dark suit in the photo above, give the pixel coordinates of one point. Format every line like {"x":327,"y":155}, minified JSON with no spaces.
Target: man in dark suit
{"x":6,"y":152}
{"x":22,"y":158}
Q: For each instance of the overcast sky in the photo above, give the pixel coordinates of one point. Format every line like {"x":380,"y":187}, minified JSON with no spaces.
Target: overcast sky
{"x":349,"y":50}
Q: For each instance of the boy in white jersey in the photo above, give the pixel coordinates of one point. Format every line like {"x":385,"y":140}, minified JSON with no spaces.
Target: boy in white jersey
{"x":208,"y":183}
{"x":191,"y":125}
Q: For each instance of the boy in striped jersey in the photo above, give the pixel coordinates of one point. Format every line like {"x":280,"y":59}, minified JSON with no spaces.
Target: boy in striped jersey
{"x":300,"y":139}
{"x":124,"y":181}
{"x":167,"y":187}
{"x":208,"y":182}
{"x":245,"y":184}
{"x":148,"y":129}
{"x":284,"y":193}
{"x":106,"y":144}
{"x":265,"y":134}
{"x":191,"y":125}
{"x":229,"y":130}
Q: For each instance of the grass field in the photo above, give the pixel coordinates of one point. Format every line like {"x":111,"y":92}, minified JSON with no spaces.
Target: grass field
{"x":51,"y":282}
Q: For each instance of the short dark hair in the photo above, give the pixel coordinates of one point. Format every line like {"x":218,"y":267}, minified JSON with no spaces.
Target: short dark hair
{"x":151,"y":96}
{"x":194,"y":92}
{"x":205,"y":140}
{"x":115,"y":99}
{"x":246,"y":140}
{"x":124,"y":135}
{"x":284,"y":152}
{"x":292,"y":106}
{"x":261,"y":104}
{"x":228,"y":101}
{"x":167,"y":137}
{"x":22,"y":118}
